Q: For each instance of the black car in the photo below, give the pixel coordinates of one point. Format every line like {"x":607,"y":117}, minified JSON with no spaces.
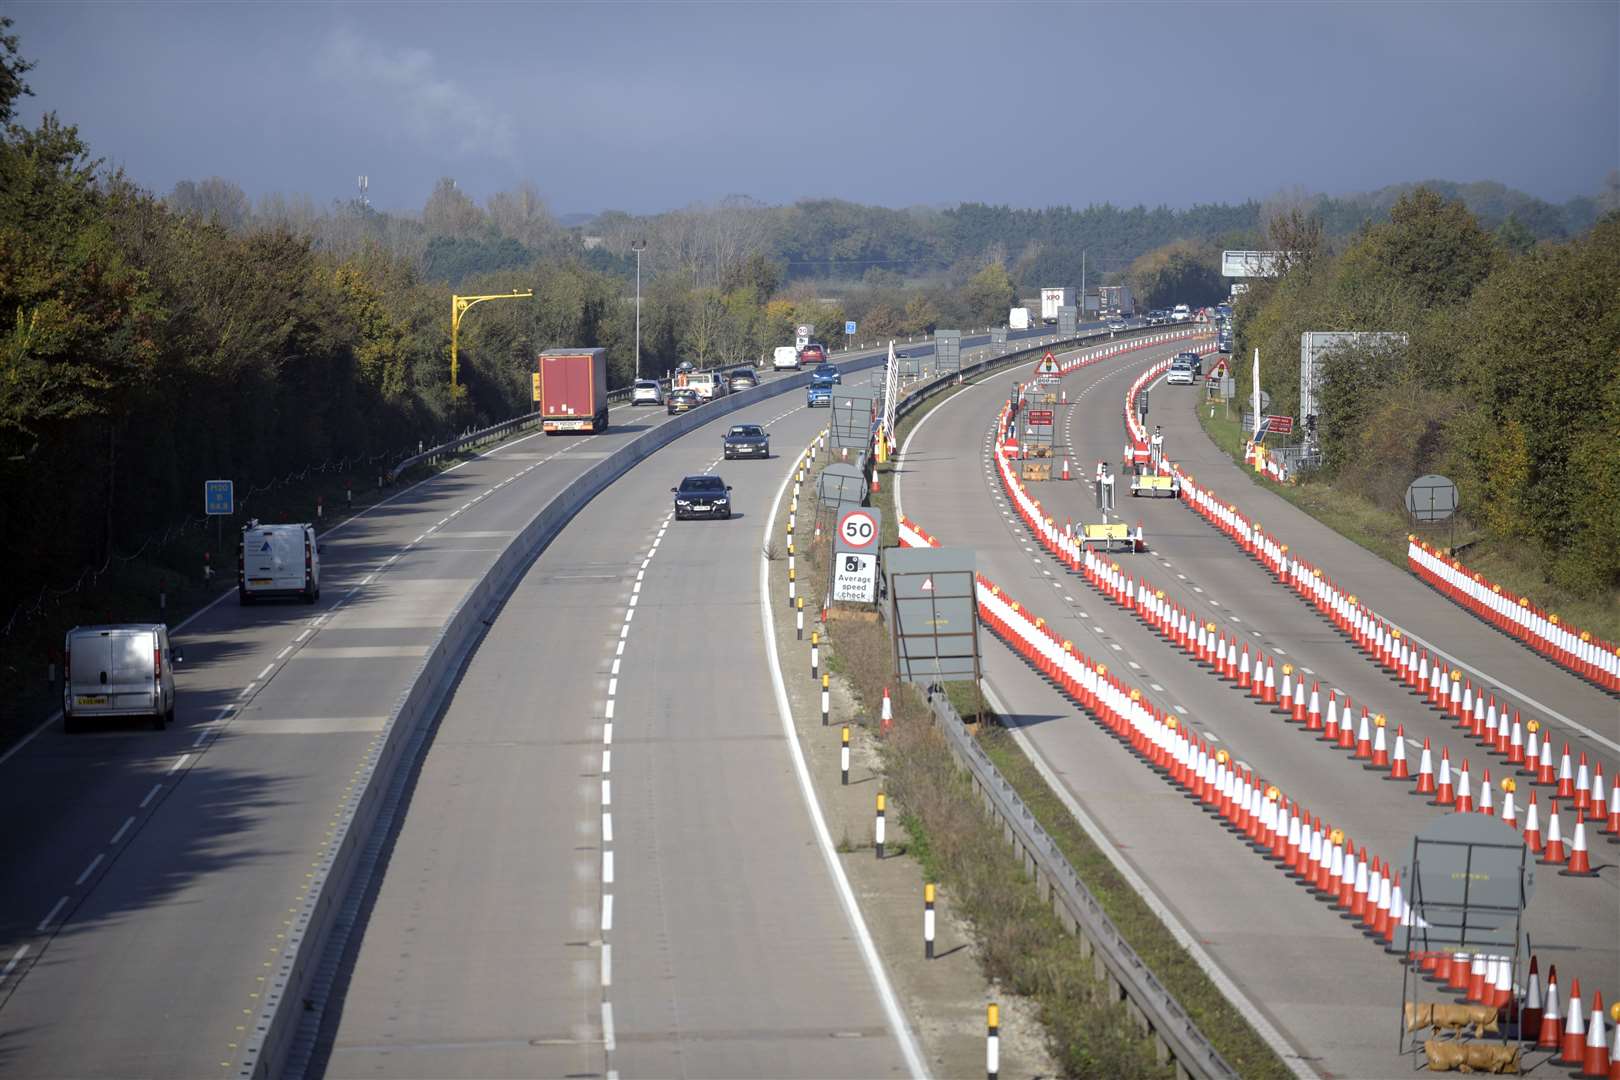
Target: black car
{"x":683,"y":399}
{"x":702,"y":496}
{"x":742,"y":378}
{"x":1192,"y":360}
{"x":746,"y":440}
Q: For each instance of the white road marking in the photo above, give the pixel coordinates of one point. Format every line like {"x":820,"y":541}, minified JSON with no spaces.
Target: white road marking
{"x":268,"y":668}
{"x":609,"y":707}
{"x":11,"y":965}
{"x":1157,"y":687}
{"x":282,"y":655}
{"x":122,"y":829}
{"x":607,"y":762}
{"x":50,"y":915}
{"x":613,"y":687}
{"x":1211,"y":736}
{"x":608,"y":1042}
{"x":1179,"y":709}
{"x":95,"y":862}
{"x":303,"y":635}
{"x":155,"y":789}
{"x":607,"y":792}
{"x":607,"y":916}
{"x":607,"y":828}
{"x":179,"y":764}
{"x":607,"y":868}
{"x":607,"y":733}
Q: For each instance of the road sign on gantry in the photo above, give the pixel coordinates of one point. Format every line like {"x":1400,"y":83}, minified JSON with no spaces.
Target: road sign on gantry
{"x":858,"y":530}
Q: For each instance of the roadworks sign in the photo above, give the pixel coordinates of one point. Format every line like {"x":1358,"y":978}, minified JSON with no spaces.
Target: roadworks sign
{"x":1049,"y":365}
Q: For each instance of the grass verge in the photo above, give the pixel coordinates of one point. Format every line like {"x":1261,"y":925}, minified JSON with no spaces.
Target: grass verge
{"x":1383,"y":532}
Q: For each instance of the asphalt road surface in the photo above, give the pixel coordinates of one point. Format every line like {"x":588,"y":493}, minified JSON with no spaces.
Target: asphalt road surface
{"x":607,"y":865}
{"x":1331,"y":992}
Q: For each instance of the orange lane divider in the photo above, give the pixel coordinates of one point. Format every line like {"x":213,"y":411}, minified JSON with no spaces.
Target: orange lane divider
{"x":1592,"y":658}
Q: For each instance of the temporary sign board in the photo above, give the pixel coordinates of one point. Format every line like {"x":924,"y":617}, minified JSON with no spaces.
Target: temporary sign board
{"x":1246,"y":264}
{"x":841,"y":484}
{"x":1049,"y":365}
{"x":1279,"y":425}
{"x":1431,"y":498}
{"x":947,"y":351}
{"x":854,"y":578}
{"x":1068,"y":319}
{"x":858,"y":530}
{"x":1316,"y":344}
{"x":1469,"y":885}
{"x":854,"y":413}
{"x":1040,"y":417}
{"x":219,"y":497}
{"x":933,"y":613}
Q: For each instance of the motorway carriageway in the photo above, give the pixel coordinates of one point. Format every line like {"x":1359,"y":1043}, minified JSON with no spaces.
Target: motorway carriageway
{"x":1332,"y":993}
{"x":607,"y":866}
{"x":149,"y":875}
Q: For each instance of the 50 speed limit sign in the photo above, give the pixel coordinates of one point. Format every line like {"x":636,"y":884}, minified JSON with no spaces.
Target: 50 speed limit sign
{"x":858,"y":530}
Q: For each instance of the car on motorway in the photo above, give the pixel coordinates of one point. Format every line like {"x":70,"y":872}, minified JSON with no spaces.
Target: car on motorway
{"x":828,"y":373}
{"x":1115,"y":325}
{"x":118,"y":673}
{"x":682,"y":399}
{"x":746,"y":441}
{"x":1180,"y":313}
{"x":702,"y":496}
{"x":813,"y":353}
{"x":818,"y":394}
{"x":742,"y":378}
{"x":1223,"y":339}
{"x":646,"y":392}
{"x":1157,"y":317}
{"x":708,"y":384}
{"x":1181,"y":374}
{"x":1194,"y":360}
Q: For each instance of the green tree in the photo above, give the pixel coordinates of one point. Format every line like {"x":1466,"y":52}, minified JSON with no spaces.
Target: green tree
{"x":988,"y":295}
{"x":1433,"y":246}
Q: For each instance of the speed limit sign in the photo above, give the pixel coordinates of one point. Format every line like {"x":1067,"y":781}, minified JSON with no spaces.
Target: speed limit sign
{"x":858,"y":530}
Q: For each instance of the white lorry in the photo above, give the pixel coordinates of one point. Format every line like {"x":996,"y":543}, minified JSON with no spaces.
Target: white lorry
{"x":278,"y":560}
{"x":117,"y":672}
{"x":1052,"y":300}
{"x":1018,"y":318}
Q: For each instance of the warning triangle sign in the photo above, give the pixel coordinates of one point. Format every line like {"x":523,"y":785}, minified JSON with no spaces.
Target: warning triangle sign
{"x":928,"y":584}
{"x":266,"y":546}
{"x":1048,"y":365}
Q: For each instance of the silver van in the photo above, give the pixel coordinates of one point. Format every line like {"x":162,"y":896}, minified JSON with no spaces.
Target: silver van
{"x":117,"y":672}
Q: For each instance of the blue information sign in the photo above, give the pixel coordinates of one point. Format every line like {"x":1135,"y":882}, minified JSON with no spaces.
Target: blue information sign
{"x":849,"y":328}
{"x":219,"y":497}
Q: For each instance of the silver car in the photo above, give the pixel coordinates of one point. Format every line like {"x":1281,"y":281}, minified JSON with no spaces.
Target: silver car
{"x":118,"y":672}
{"x":646,"y":392}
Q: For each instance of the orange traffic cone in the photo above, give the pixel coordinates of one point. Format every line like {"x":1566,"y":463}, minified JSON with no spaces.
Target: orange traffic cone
{"x":1579,"y":864}
{"x":1445,"y":792}
{"x":1550,"y":1035}
{"x":1465,"y":791}
{"x":1566,"y":776}
{"x":886,"y":722}
{"x":1613,"y":826}
{"x":1595,"y":1060}
{"x":1347,"y":726}
{"x":1065,"y":468}
{"x":1532,"y":826}
{"x":1398,"y":769}
{"x":1554,"y":854}
{"x":1313,"y":711}
{"x":1583,"y":788}
{"x":1425,"y":777}
{"x":1364,"y":749}
{"x":1530,"y":1015}
{"x":1330,"y":730}
{"x":1573,"y":1048}
{"x":1486,"y":803}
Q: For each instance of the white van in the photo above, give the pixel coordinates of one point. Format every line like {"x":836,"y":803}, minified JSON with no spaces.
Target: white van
{"x":708,"y":384}
{"x":785,"y":358}
{"x":116,"y":672}
{"x":278,"y":560}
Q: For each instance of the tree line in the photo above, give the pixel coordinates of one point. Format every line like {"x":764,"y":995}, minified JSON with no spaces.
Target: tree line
{"x":1509,"y":383}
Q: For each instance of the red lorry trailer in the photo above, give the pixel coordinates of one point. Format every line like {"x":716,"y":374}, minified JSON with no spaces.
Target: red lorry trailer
{"x":573,"y":390}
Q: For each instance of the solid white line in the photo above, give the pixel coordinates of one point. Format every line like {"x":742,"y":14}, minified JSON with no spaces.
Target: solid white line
{"x":46,"y":921}
{"x":119,"y":835}
{"x":846,"y":895}
{"x":1222,"y":981}
{"x":95,"y":862}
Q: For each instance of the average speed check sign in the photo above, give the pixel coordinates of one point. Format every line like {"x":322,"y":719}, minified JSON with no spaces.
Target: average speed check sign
{"x":858,"y":530}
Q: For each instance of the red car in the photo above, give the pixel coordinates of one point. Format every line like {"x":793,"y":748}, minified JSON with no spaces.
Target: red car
{"x":813,"y":354}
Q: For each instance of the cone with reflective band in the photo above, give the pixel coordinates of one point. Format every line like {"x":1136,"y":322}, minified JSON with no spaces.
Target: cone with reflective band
{"x":1599,"y":807}
{"x":1510,"y":812}
{"x":1475,"y":990}
{"x":1268,"y":691}
{"x":1330,"y":730}
{"x":1347,"y":726}
{"x":1583,"y":788}
{"x":1595,"y":1059}
{"x":1580,"y":864}
{"x":1361,"y":887}
{"x":1545,"y":772}
{"x":1445,"y":792}
{"x":1613,"y":826}
{"x":1285,"y":695}
{"x":1532,"y":826}
{"x":1550,"y":1035}
{"x":1515,"y":750}
{"x":1573,"y":1049}
{"x":1462,"y":965}
{"x":1296,"y":703}
{"x":1532,"y":752}
{"x":1465,"y":791}
{"x":1566,"y":776}
{"x":1530,"y":1015}
{"x":1397,"y":763}
{"x":1313,"y":711}
{"x":1243,"y":680}
{"x":1504,"y":733}
{"x":1380,"y":748}
{"x":1364,"y":749}
{"x":1486,"y":799}
{"x":1347,"y":877}
{"x":1425,"y":776}
{"x":1553,"y":854}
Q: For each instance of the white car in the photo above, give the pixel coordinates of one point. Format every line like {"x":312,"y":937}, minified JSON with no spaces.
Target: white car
{"x":1181,"y":373}
{"x":1182,"y":313}
{"x":647,"y":392}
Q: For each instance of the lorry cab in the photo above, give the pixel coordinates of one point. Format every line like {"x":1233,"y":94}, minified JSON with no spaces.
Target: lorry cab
{"x":118,"y":672}
{"x":708,"y":384}
{"x":278,"y":560}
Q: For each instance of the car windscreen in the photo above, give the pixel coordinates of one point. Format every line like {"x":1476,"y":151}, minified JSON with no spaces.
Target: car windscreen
{"x":702,"y":484}
{"x":747,"y":429}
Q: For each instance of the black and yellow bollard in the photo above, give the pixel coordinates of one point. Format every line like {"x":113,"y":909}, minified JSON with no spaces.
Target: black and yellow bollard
{"x":992,"y":1042}
{"x":826,"y":698}
{"x":843,"y":757}
{"x":881,"y":827}
{"x":799,"y":617}
{"x":928,"y":921}
{"x":815,"y":654}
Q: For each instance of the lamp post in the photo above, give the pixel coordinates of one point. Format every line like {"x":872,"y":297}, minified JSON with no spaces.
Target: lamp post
{"x":638,"y":246}
{"x":458,"y":308}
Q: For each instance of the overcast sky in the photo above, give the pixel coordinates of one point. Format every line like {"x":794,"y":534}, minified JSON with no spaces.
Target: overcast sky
{"x":648,"y":107}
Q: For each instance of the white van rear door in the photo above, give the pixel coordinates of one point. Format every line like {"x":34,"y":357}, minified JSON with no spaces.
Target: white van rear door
{"x":89,"y":657}
{"x":133,"y":675}
{"x":274,"y":559}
